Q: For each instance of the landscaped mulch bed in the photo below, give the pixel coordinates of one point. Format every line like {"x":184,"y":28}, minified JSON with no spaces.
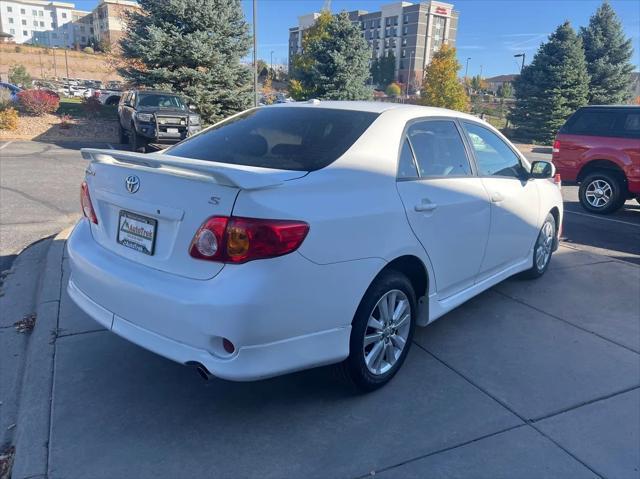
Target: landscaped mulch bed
{"x":49,"y":128}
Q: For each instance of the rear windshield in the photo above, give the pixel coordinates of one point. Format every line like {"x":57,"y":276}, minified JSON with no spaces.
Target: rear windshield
{"x":293,"y":138}
{"x":617,"y":122}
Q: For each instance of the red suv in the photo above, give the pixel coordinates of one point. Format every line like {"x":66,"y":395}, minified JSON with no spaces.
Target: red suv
{"x":599,"y":147}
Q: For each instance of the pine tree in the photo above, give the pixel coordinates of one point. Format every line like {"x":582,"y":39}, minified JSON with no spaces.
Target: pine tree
{"x":334,"y":64}
{"x":441,"y":86}
{"x":387,"y":69}
{"x":191,"y":47}
{"x":552,"y":87}
{"x":608,"y":54}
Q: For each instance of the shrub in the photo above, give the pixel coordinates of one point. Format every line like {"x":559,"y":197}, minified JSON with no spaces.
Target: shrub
{"x":38,"y":102}
{"x":5,"y":99}
{"x":65,"y":121}
{"x":91,"y":106}
{"x":88,"y":50}
{"x":393,"y":90}
{"x":18,"y":75}
{"x":8,"y":119}
{"x":17,"y":49}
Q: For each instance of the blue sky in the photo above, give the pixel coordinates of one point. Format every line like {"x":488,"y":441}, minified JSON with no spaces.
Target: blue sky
{"x":490,"y":31}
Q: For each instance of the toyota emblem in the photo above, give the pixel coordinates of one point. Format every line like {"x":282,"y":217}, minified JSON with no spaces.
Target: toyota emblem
{"x":132,"y":183}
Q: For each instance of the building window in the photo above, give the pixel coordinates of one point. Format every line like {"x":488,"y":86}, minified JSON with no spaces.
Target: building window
{"x":25,"y":33}
{"x":12,"y":31}
{"x":83,"y":39}
{"x":54,"y":35}
{"x":406,"y":19}
{"x":40,"y":13}
{"x":9,"y":9}
{"x":42,"y":24}
{"x":404,"y":42}
{"x":24,"y":22}
{"x":34,"y":13}
{"x":35,"y":23}
{"x":401,"y":64}
{"x":405,"y":30}
{"x":404,"y":53}
{"x":10,"y":20}
{"x":395,"y":20}
{"x":64,"y":15}
{"x":387,"y":21}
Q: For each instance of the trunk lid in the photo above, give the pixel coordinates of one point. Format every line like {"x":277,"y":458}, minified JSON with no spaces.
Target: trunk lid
{"x":156,"y":203}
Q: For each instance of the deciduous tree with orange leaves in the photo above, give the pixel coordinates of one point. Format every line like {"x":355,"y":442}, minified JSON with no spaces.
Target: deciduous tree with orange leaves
{"x":441,"y":87}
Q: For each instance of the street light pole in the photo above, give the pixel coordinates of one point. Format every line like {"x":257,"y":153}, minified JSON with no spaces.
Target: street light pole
{"x":411,"y":57}
{"x":66,"y":62}
{"x":523,"y":55}
{"x":272,"y":72}
{"x":55,"y":67}
{"x":255,"y":54}
{"x":466,"y":69}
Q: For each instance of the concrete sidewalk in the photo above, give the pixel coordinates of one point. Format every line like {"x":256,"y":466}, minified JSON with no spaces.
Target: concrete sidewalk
{"x":531,"y":379}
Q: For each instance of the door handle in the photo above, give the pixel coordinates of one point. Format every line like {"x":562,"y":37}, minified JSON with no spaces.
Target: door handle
{"x":426,"y":205}
{"x":497,"y":198}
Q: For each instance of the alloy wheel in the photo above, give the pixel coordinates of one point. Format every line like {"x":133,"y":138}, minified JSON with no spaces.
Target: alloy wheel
{"x":544,"y":245}
{"x":387,"y":332}
{"x":598,"y":193}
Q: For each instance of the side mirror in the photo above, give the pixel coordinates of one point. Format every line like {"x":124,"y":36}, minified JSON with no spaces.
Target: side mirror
{"x":192,"y":107}
{"x":542,"y":169}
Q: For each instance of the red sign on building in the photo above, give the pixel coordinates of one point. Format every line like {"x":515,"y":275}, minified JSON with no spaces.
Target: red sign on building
{"x":441,"y":10}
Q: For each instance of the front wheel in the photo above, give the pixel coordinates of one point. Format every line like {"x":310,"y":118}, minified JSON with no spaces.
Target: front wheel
{"x":602,"y":192}
{"x":124,"y":139}
{"x":543,"y":249}
{"x":381,"y":332}
{"x":138,"y":143}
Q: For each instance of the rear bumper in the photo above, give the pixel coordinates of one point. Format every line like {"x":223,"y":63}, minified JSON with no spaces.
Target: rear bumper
{"x":275,"y":312}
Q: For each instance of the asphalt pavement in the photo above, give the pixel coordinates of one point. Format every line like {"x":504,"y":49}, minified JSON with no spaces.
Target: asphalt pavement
{"x":40,"y":184}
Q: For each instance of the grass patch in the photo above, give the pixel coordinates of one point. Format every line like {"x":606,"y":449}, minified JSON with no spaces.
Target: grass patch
{"x":73,"y":107}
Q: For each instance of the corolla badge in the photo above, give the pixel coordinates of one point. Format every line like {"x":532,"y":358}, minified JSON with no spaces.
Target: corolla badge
{"x":132,"y":183}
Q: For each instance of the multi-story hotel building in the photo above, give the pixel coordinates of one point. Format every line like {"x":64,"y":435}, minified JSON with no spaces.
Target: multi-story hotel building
{"x":412,"y":31}
{"x":59,"y":24}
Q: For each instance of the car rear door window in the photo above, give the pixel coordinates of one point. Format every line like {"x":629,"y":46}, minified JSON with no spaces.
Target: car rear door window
{"x":493,"y":156}
{"x":438,"y":149}
{"x":592,"y":122}
{"x":287,"y":138}
{"x":407,"y":166}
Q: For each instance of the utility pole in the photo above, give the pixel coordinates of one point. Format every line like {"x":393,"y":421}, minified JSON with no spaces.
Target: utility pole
{"x":466,"y":69}
{"x":41,"y":69}
{"x":272,"y":72}
{"x":523,"y":55}
{"x":480,"y":71}
{"x":55,"y":67}
{"x":255,"y":53}
{"x":411,"y":75}
{"x":66,"y":62}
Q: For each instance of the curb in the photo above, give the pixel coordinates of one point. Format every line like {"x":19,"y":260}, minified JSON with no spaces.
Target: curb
{"x":34,"y":414}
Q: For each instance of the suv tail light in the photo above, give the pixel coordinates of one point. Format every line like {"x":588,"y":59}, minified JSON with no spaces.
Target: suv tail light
{"x":85,"y":202}
{"x":556,"y":147}
{"x":238,"y":240}
{"x":558,"y":180}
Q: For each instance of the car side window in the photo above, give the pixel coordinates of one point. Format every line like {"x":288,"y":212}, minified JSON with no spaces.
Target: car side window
{"x":438,"y":149}
{"x":493,"y":156}
{"x":406,"y":164}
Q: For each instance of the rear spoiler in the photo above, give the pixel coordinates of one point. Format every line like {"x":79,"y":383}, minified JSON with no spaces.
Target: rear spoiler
{"x":238,"y":176}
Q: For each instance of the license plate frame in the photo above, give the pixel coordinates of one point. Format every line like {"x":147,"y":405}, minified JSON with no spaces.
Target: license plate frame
{"x":137,"y":241}
{"x":173,"y":131}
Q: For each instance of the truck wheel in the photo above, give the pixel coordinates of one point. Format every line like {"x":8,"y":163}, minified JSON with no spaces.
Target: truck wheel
{"x":124,"y":139}
{"x":602,"y":192}
{"x":138,"y":144}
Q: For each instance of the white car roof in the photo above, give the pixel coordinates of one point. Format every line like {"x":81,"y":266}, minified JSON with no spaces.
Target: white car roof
{"x":411,"y":111}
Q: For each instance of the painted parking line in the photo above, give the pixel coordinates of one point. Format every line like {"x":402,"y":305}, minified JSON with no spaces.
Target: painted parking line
{"x":4,"y":145}
{"x":603,"y":219}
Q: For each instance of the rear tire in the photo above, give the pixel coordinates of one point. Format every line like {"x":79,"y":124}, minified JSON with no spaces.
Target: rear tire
{"x":380,"y":341}
{"x":138,"y":144}
{"x":543,"y":249}
{"x":602,"y":192}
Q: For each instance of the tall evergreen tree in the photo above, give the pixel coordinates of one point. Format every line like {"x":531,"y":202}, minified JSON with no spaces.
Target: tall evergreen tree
{"x":441,"y":86}
{"x":608,"y":53}
{"x":387,"y":69}
{"x":192,"y":47}
{"x":552,"y":87}
{"x":334,"y":63}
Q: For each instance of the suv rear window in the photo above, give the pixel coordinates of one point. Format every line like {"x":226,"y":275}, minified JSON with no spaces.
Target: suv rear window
{"x":287,"y":138}
{"x":622,"y":122}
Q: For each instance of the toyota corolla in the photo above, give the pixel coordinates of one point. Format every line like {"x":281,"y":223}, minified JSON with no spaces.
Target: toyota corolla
{"x":298,"y":235}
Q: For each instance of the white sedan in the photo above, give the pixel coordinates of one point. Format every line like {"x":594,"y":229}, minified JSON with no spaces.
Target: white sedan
{"x":298,"y":235}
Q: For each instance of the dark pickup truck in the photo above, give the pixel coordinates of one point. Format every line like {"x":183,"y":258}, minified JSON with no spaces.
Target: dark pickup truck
{"x":155,"y":118}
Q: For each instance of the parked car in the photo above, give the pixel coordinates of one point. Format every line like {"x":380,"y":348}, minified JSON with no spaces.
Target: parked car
{"x":599,"y":147}
{"x":155,"y":117}
{"x":108,"y":97}
{"x":12,"y":89}
{"x":303,"y":234}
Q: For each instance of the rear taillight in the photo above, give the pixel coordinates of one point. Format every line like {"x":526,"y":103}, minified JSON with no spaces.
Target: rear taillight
{"x":87,"y":206}
{"x":556,"y":147}
{"x":238,"y":240}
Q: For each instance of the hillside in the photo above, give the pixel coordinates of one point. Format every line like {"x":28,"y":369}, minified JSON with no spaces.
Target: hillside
{"x":40,"y":63}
